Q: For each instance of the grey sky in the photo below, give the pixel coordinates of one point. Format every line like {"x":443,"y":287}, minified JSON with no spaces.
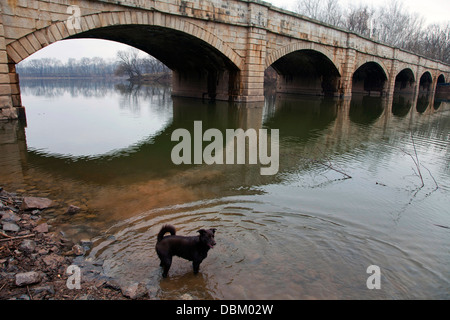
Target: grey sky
{"x":433,"y":11}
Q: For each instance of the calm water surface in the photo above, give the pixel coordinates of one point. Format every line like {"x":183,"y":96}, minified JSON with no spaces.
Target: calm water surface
{"x":308,"y":232}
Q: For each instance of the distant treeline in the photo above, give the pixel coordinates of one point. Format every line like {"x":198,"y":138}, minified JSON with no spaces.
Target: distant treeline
{"x":52,"y":67}
{"x":128,"y":64}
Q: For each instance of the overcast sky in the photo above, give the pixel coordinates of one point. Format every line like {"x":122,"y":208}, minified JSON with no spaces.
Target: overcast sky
{"x":433,"y":11}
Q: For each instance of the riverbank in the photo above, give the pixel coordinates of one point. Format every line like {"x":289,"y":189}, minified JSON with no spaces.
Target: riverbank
{"x":35,"y":257}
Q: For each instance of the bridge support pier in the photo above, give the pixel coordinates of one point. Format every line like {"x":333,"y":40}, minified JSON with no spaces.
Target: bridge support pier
{"x":346,"y":81}
{"x":10,"y":102}
{"x":252,"y":75}
{"x":211,"y":86}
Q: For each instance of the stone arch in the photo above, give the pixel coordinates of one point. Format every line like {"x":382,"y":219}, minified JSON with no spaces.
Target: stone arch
{"x":205,"y":67}
{"x":425,"y":83}
{"x":31,"y":43}
{"x":368,"y":77}
{"x":404,"y":81}
{"x":303,"y":45}
{"x":305,"y":68}
{"x":375,"y":60}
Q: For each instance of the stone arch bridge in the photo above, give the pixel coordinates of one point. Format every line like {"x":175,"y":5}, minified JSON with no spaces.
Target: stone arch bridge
{"x":218,"y":49}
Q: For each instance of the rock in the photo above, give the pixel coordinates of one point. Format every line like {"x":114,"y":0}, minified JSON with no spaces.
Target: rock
{"x":86,"y":244}
{"x":43,"y":251}
{"x":36,"y":203}
{"x":10,"y":216}
{"x":10,"y":226}
{"x":78,"y":250}
{"x":26,"y":278}
{"x":134,"y":291}
{"x":49,"y":289}
{"x":153,"y":292}
{"x":73,"y":209}
{"x":86,"y":297}
{"x":53,"y":260}
{"x":112,"y":283}
{"x":27,"y":245}
{"x":186,"y":296}
{"x":41,"y":228}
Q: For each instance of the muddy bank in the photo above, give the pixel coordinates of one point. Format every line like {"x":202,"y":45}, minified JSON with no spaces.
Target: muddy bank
{"x":35,"y":257}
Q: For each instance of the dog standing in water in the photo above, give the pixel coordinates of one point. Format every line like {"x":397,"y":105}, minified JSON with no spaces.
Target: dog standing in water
{"x":193,"y":248}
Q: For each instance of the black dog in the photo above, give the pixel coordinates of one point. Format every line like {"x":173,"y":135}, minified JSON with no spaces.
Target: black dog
{"x":194,"y":248}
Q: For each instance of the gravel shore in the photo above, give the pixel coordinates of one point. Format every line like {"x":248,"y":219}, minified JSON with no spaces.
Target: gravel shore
{"x":35,"y":258}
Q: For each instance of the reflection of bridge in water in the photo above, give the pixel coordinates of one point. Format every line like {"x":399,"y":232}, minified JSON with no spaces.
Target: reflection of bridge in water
{"x":310,"y":122}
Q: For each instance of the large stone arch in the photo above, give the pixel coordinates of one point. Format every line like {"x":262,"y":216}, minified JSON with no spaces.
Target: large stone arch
{"x":29,"y":44}
{"x":305,"y":68}
{"x":405,"y":81}
{"x":378,"y":61}
{"x":369,"y":76}
{"x":425,"y":82}
{"x":210,"y":69}
{"x":304,"y":45}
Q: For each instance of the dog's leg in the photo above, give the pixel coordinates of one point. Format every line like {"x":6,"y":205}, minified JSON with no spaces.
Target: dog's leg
{"x":196,"y":265}
{"x":160,"y":259}
{"x":166,"y":263}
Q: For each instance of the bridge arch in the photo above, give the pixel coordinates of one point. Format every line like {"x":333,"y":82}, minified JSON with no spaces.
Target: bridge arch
{"x":305,"y":68}
{"x":404,"y":82}
{"x":425,"y":83}
{"x":370,"y":77}
{"x":211,"y":68}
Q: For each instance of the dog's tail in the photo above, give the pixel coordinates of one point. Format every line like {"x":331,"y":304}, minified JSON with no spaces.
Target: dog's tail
{"x":166,"y":228}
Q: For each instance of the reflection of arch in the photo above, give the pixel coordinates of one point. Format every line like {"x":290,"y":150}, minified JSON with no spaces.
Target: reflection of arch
{"x":404,"y":81}
{"x":365,"y":109}
{"x":302,"y":117}
{"x":305,"y":71}
{"x":440,"y":92}
{"x":422,"y":103}
{"x":401,"y":105}
{"x":58,"y":31}
{"x":437,"y":104}
{"x":369,"y":77}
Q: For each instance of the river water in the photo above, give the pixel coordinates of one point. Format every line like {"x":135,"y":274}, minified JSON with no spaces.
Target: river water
{"x":347,"y":195}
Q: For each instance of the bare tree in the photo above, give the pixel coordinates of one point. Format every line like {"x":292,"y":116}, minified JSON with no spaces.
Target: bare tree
{"x":309,"y":8}
{"x":129,"y":64}
{"x":359,"y":20}
{"x":392,"y":24}
{"x":328,"y":11}
{"x":435,"y":42}
{"x":396,"y":26}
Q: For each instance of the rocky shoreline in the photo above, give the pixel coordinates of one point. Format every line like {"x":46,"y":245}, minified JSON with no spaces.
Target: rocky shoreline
{"x":34,"y":258}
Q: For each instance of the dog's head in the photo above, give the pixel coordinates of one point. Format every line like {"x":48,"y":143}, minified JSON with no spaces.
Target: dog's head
{"x":207,"y":237}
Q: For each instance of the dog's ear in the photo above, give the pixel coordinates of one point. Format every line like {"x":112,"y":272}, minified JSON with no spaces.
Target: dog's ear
{"x":201,"y":231}
{"x":213,"y":230}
